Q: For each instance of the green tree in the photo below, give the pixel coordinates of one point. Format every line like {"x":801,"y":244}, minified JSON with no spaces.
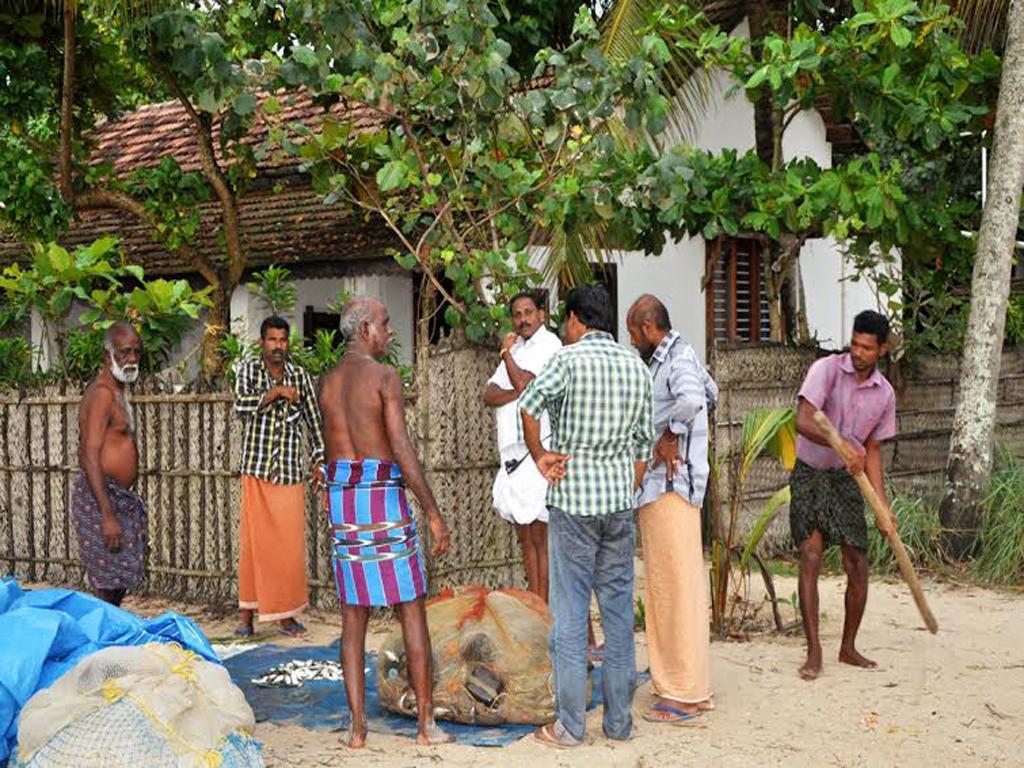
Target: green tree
{"x":99,"y":58}
{"x":895,"y":71}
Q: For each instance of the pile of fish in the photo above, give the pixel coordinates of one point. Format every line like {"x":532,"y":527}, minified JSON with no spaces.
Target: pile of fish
{"x":295,"y":673}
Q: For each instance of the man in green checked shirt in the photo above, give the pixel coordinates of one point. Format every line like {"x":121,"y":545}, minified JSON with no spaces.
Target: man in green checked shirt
{"x":599,"y":397}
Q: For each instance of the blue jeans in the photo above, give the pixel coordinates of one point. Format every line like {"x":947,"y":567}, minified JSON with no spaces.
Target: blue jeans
{"x":592,"y":554}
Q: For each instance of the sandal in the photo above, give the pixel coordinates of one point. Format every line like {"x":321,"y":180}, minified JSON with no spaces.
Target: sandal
{"x":546,"y":736}
{"x":677,"y":716}
{"x":244,"y":631}
{"x":294,"y":630}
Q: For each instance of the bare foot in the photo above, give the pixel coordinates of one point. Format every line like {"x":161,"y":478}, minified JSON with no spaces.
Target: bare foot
{"x":812,"y":667}
{"x":355,"y":738}
{"x":431,"y":734}
{"x":853,"y":658}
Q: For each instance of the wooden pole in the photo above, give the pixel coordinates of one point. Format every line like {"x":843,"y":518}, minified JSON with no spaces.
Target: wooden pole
{"x":885,"y":520}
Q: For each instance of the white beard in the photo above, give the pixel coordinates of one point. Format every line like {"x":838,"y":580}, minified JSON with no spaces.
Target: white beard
{"x":126,"y":375}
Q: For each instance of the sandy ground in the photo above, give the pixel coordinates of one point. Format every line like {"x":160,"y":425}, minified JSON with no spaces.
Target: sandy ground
{"x":956,"y":698}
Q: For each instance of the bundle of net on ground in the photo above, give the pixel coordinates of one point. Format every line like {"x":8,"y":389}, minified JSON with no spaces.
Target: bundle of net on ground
{"x":155,"y":705}
{"x":491,"y":661}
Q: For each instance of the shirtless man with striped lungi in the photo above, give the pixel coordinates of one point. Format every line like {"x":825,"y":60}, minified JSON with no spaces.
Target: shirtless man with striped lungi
{"x":376,"y":551}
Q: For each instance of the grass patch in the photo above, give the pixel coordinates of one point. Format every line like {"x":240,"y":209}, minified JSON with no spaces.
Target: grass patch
{"x":999,"y":557}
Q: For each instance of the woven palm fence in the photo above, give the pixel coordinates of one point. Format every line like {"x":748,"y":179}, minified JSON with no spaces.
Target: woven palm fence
{"x":189,"y":456}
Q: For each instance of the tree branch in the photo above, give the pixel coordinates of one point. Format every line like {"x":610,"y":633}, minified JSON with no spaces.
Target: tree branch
{"x":216,"y":178}
{"x":99,"y":199}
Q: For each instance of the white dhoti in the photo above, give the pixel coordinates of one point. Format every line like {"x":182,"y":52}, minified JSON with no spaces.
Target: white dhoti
{"x":520,"y":497}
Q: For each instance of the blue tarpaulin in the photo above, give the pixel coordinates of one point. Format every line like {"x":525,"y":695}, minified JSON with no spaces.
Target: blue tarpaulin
{"x":320,"y":705}
{"x":45,"y":632}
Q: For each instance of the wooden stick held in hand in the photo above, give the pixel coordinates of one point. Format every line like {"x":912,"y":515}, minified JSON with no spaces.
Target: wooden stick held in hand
{"x":885,"y":520}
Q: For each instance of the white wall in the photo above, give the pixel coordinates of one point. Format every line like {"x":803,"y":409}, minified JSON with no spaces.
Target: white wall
{"x":675,"y":278}
{"x":395,"y":290}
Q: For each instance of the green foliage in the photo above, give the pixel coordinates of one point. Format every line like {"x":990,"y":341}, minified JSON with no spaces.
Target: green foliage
{"x":172,"y":197}
{"x":108,"y":290}
{"x":1000,"y":557}
{"x":919,"y":103}
{"x":15,"y":361}
{"x":57,"y":278}
{"x":108,"y":80}
{"x":321,"y":355}
{"x":83,"y":355}
{"x":275,"y":290}
{"x":769,"y":433}
{"x":464,"y":165}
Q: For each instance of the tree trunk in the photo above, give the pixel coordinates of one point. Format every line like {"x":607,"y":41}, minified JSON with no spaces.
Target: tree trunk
{"x":757,"y":20}
{"x":218,"y":322}
{"x":970,"y":451}
{"x":67,"y":104}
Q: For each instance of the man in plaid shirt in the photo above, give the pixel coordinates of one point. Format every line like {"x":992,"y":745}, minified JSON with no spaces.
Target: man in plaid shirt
{"x":599,"y":397}
{"x":275,"y":398}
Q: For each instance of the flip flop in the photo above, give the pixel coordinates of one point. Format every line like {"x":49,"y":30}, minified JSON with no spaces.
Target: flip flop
{"x":546,"y":736}
{"x":244,"y":631}
{"x":294,"y":630}
{"x":678,"y":716}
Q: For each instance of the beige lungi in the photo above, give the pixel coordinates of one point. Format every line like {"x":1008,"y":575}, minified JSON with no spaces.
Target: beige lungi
{"x":676,"y":600}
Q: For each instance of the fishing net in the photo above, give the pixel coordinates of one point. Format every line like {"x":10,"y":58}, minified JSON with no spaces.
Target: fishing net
{"x":154,"y":705}
{"x":491,"y":661}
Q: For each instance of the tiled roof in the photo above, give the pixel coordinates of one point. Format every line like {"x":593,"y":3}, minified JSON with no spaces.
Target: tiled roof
{"x":289,"y":225}
{"x":283,"y":227}
{"x":139,"y":139}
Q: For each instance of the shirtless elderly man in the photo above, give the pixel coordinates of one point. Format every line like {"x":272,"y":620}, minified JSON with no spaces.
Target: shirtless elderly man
{"x":377,"y":557}
{"x":110,"y":518}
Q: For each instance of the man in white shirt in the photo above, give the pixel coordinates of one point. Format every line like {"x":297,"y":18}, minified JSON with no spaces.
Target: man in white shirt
{"x":519,"y":489}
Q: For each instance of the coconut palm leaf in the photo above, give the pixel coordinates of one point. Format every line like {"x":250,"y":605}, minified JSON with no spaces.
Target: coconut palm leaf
{"x":764,"y":520}
{"x":771,"y":431}
{"x":571,"y":254}
{"x":684,"y":82}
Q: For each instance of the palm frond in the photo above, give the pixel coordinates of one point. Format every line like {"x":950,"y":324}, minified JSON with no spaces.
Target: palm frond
{"x":572,"y":254}
{"x":685,"y":83}
{"x":984,"y":23}
{"x":768,"y":512}
{"x":772,"y":431}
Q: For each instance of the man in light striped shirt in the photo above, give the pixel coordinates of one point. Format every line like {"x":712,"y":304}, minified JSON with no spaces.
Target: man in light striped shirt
{"x":676,"y":589}
{"x":598,"y":395}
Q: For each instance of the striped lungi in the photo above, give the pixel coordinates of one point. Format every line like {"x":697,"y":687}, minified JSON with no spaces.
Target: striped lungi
{"x":376,"y":552}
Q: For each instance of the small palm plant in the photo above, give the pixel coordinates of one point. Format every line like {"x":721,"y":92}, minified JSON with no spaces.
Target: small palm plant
{"x":275,"y":290}
{"x":767,"y":432}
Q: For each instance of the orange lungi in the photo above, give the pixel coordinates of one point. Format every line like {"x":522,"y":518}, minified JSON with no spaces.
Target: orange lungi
{"x":676,"y":600}
{"x":272,"y":549}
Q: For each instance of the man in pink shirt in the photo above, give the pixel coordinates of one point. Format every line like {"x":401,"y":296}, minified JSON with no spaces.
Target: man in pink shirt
{"x":827,"y":507}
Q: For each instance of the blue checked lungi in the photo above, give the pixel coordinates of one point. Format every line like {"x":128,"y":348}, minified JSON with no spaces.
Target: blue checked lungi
{"x":375,"y":545}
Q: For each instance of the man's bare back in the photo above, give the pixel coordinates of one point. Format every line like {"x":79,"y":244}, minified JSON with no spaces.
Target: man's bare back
{"x":103,"y":419}
{"x":354,"y":400}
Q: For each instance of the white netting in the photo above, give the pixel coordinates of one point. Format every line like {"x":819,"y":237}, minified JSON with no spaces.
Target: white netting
{"x":155,"y":706}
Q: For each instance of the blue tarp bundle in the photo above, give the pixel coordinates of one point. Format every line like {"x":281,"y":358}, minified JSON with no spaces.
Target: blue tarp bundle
{"x":44,"y":633}
{"x":320,"y":705}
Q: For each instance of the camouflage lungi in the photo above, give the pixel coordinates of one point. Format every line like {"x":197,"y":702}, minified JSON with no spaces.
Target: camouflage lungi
{"x":827,"y":500}
{"x":105,"y":569}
